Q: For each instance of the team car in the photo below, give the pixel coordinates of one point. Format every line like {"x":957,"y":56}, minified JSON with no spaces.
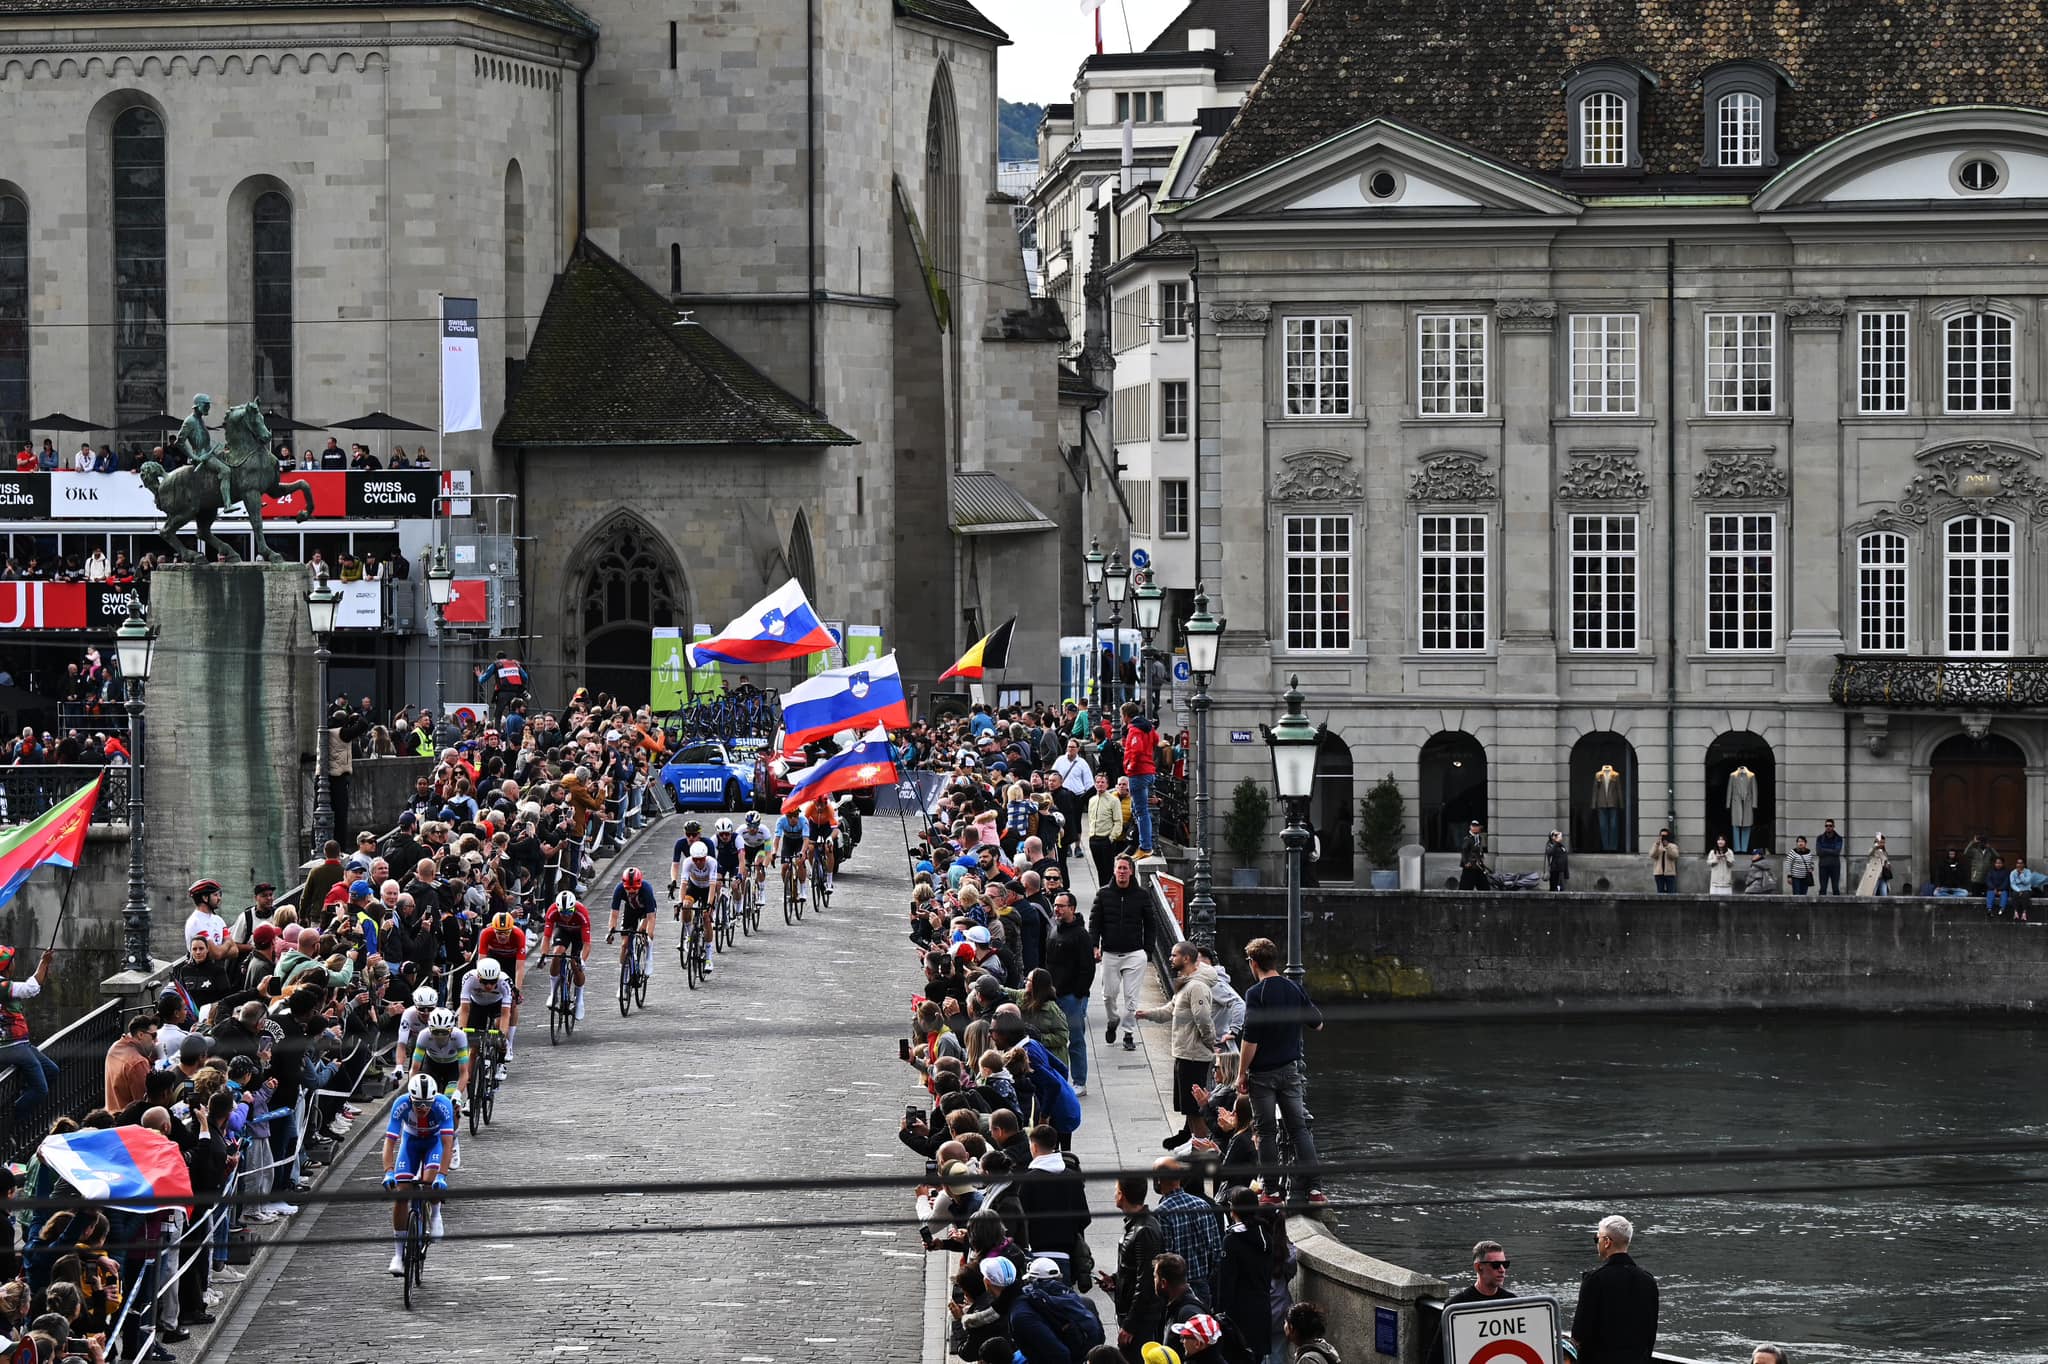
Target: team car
{"x":775,"y":773}
{"x":709,"y":775}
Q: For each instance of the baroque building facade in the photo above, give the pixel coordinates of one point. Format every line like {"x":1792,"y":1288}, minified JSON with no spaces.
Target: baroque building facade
{"x":1614,"y":410}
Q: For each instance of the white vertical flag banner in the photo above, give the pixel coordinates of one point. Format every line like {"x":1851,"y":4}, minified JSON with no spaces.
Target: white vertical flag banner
{"x":462,"y":399}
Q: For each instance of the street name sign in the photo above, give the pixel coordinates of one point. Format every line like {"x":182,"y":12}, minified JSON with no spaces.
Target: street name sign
{"x":1508,"y":1331}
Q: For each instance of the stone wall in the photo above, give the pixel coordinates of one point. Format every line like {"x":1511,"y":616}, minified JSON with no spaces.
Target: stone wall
{"x":1353,"y":1289}
{"x":1685,"y":951}
{"x":88,"y":941}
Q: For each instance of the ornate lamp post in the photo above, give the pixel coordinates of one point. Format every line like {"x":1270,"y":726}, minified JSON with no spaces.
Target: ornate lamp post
{"x":1117,"y":578}
{"x":440,"y":591}
{"x":323,"y":603}
{"x":1294,"y":741}
{"x":135,"y":646}
{"x":1203,"y":633}
{"x":1150,"y":601}
{"x":1093,"y":564}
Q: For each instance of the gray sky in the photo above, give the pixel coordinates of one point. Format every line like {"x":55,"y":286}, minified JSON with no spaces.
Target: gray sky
{"x":1051,"y":38}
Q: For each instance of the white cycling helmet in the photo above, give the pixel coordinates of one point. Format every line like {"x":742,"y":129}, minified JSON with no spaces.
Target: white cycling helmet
{"x":489,"y":972}
{"x":422,"y":1089}
{"x":724,"y":826}
{"x":699,"y":852}
{"x":426,"y":997}
{"x":441,"y":1020}
{"x":566,"y":901}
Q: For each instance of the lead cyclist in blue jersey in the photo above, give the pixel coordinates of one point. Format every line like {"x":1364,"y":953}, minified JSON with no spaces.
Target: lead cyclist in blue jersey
{"x":420,"y":1121}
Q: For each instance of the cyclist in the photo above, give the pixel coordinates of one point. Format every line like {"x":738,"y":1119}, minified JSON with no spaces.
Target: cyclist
{"x":633,"y":899}
{"x":486,"y":994}
{"x":412,"y":1023}
{"x":442,"y":1052}
{"x":823,"y":822}
{"x":792,"y":844}
{"x":505,"y":942}
{"x":567,"y":935}
{"x":697,"y":878}
{"x":755,"y":849}
{"x":421,"y":1121}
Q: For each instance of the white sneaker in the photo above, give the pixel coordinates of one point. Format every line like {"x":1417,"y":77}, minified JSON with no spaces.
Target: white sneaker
{"x":435,"y":1231}
{"x":262,"y":1217}
{"x":455,"y":1160}
{"x":1080,"y":1091}
{"x":285,"y":1209}
{"x":229,"y":1274}
{"x":212,"y":1297}
{"x":397,"y":1264}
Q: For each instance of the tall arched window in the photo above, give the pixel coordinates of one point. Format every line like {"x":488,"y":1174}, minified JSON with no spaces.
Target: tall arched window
{"x":141,"y":378}
{"x":270,"y":294}
{"x":802,"y":563}
{"x":1603,"y":130}
{"x":1881,"y":588}
{"x":1978,"y":569}
{"x":13,"y":321}
{"x":1453,"y":770}
{"x":942,"y":180}
{"x":515,"y":261}
{"x":1742,"y":791}
{"x":1741,"y":130}
{"x":630,"y":584}
{"x":1603,"y":794}
{"x":1977,"y":358}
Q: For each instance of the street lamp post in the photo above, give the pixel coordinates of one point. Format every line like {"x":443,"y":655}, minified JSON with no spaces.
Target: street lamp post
{"x":135,"y":645}
{"x":1294,"y":741}
{"x":322,"y":605}
{"x":440,"y":591}
{"x":1093,"y":563}
{"x":1203,"y":633}
{"x":1117,"y":578}
{"x":1150,"y":600}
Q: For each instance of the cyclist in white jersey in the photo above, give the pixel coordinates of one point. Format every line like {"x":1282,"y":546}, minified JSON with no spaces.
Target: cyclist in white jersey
{"x":696,"y":879}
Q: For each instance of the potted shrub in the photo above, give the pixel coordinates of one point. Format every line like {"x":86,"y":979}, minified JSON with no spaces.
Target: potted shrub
{"x":1381,"y":815}
{"x":1244,"y":829}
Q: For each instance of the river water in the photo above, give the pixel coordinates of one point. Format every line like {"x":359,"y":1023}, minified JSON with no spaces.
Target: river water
{"x":1908,"y":1273}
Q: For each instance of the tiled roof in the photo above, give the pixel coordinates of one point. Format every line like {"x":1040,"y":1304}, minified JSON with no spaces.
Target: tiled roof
{"x":555,"y":14}
{"x":989,"y":504}
{"x":1490,"y":75}
{"x":953,"y":14}
{"x":1073,"y":386}
{"x":1241,"y":37}
{"x":610,"y":366}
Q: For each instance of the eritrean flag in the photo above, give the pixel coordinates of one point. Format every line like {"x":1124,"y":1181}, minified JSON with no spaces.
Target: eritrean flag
{"x":870,"y":762}
{"x":114,"y":1164}
{"x":990,"y":651}
{"x":58,"y":839}
{"x":779,"y":626}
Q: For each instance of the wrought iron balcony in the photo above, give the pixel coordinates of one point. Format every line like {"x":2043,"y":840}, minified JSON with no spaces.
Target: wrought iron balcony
{"x":1979,"y":684}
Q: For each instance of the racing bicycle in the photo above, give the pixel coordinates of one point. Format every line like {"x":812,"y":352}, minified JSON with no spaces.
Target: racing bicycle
{"x":562,"y":999}
{"x":633,"y":972}
{"x":724,"y":916}
{"x":417,"y":1222}
{"x":693,"y":945}
{"x":792,"y":889}
{"x":821,"y":892}
{"x":483,"y":1080}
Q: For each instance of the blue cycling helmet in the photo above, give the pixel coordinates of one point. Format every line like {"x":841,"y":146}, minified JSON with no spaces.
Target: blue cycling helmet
{"x":753,"y":819}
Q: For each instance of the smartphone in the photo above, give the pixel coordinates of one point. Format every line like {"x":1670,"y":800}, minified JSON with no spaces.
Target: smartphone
{"x":926,"y":1233}
{"x":931,"y":1172}
{"x":903,"y":1049}
{"x":912,"y":1113}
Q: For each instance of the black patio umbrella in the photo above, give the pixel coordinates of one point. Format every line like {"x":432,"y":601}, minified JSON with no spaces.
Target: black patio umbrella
{"x":376,"y":421}
{"x":162,"y":421}
{"x":60,"y":421}
{"x":281,"y":425}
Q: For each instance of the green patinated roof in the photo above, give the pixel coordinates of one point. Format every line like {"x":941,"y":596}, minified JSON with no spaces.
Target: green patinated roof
{"x":610,"y":366}
{"x":953,"y":14}
{"x":555,"y":14}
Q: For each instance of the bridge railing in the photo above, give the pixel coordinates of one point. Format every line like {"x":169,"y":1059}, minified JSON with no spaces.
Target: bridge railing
{"x":80,"y":1051}
{"x":28,"y":792}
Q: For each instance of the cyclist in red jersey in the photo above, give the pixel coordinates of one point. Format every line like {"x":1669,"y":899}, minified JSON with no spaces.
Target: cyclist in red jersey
{"x":566,"y":933}
{"x":824,"y":826}
{"x":505,"y":942}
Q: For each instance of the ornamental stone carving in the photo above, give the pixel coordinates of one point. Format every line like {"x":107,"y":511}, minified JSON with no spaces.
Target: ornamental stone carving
{"x":1525,"y":314}
{"x":1978,"y":471}
{"x":1603,"y":476}
{"x":1457,"y":476}
{"x":1740,"y":473}
{"x":1236,"y":317}
{"x":1316,"y":476}
{"x":1815,"y":314}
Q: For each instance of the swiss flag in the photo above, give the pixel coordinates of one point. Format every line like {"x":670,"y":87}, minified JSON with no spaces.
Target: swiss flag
{"x":468,"y":602}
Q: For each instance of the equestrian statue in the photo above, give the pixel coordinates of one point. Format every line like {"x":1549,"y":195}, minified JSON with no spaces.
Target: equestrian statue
{"x":241,"y":469}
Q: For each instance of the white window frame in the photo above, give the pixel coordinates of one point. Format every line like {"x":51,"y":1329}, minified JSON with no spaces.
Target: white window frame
{"x":1176,"y":492}
{"x":1168,"y":428}
{"x":1884,"y":362}
{"x":1459,"y":574}
{"x":1983,"y":563}
{"x":1604,"y":382}
{"x":1739,"y":129}
{"x":1884,"y":592}
{"x":1606,"y":597}
{"x":1317,"y":373}
{"x":1450,"y":364}
{"x":1325,"y":567}
{"x":1603,"y":130}
{"x":1174,"y":322}
{"x":1740,"y":351}
{"x":1970,"y":383}
{"x":1732,"y":582}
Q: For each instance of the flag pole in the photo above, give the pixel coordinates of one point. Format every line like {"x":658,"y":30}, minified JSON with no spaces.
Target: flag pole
{"x":71,"y":873}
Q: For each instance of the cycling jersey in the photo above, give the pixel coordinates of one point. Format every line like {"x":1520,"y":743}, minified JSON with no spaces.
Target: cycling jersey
{"x":632,"y":905}
{"x":821,"y":817}
{"x":450,"y":1049}
{"x":411,"y":1024}
{"x":753,"y":837}
{"x":697,"y":875}
{"x":414,"y":1122}
{"x":792,"y":832}
{"x":475,"y":992}
{"x":727,"y":853}
{"x":568,"y":930}
{"x":509,"y":950}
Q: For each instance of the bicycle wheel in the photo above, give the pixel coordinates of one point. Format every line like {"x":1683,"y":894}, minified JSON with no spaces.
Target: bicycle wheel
{"x":478,"y":1068}
{"x":568,"y":999}
{"x":788,"y":897}
{"x":746,"y":907}
{"x":415,"y":1250}
{"x":496,"y":1053}
{"x":554,"y":1017}
{"x":693,"y":960}
{"x":626,"y":987}
{"x":641,"y":951}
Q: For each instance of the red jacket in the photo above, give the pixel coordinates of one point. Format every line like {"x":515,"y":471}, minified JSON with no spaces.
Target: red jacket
{"x":1141,"y":747}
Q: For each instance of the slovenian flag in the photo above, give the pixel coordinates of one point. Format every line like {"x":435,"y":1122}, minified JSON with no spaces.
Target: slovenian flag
{"x":56,"y":839}
{"x":781,"y":625}
{"x":119,"y":1165}
{"x":862,"y":697}
{"x":868,"y":763}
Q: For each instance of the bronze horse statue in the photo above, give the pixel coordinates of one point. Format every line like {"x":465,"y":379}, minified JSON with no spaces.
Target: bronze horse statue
{"x":244,"y":465}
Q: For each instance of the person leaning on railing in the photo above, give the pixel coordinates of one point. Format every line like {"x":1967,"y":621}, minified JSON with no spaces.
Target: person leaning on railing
{"x":34,"y":1072}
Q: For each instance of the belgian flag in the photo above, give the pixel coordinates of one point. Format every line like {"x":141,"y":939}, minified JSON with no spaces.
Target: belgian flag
{"x":992,"y":650}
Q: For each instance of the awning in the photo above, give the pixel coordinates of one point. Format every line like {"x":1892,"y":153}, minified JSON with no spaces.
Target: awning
{"x":989,"y":504}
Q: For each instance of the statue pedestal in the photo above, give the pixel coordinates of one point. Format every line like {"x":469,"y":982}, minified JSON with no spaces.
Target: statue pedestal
{"x":231,"y":714}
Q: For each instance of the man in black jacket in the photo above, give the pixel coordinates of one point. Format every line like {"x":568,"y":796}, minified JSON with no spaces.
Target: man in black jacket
{"x":1120,"y":922}
{"x":1140,"y":1315}
{"x":1070,"y":960}
{"x":1056,"y":1212}
{"x":1615,"y":1321}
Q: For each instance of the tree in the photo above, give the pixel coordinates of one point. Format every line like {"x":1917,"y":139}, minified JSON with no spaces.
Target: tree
{"x":1018,"y":131}
{"x":1381,"y":817}
{"x":1244,"y":828}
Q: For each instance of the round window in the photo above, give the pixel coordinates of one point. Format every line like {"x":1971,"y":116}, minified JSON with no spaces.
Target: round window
{"x":1978,"y":173}
{"x":1383,"y":184}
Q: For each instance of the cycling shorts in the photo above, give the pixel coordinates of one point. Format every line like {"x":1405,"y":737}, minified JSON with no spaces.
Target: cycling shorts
{"x":417,"y":1155}
{"x":445,"y":1073}
{"x":793,"y":844}
{"x":572,"y":943}
{"x":484,"y":1017}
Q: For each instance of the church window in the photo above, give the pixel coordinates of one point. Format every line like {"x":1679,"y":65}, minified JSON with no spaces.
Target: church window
{"x":271,"y":297}
{"x":13,"y":320}
{"x":141,"y":380}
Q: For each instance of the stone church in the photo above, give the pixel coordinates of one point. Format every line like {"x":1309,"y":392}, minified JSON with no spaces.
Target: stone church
{"x":751,"y":306}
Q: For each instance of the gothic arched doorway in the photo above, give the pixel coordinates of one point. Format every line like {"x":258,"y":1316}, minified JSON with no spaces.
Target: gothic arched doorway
{"x":629,"y":583}
{"x":1977,"y":786}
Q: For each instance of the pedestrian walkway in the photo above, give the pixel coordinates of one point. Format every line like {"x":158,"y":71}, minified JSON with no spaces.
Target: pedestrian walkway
{"x":784,"y":1064}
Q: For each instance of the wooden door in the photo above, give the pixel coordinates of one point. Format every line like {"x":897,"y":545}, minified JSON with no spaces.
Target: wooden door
{"x":1977,"y":786}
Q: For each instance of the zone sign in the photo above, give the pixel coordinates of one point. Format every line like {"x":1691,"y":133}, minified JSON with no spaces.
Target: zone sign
{"x":1510,"y":1331}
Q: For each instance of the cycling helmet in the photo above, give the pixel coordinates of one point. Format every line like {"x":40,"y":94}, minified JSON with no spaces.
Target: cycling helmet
{"x":422,"y":1089}
{"x":441,"y":1020}
{"x":426,"y":998}
{"x":698,"y":852}
{"x":724,"y":826}
{"x":753,"y":819}
{"x":631,"y":880}
{"x":488,"y":972}
{"x":566,"y":901}
{"x":693,"y":828}
{"x":501,"y":924}
{"x":201,"y":889}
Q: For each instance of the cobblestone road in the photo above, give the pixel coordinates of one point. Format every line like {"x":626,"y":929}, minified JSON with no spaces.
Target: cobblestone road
{"x":784,"y":1064}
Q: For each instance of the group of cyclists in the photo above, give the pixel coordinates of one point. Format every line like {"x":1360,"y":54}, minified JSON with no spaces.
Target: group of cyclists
{"x":421,"y":1140}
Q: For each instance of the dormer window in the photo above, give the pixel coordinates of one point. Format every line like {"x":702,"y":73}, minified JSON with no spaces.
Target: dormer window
{"x":1740,"y":103}
{"x":1603,"y":106}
